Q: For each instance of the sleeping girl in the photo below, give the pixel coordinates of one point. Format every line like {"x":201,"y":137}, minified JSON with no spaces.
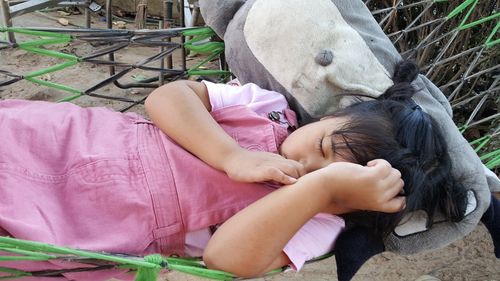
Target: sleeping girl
{"x":221,"y":172}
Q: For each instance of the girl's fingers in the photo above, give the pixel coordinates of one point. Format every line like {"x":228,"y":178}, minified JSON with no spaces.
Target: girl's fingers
{"x":379,"y":163}
{"x":277,"y":175}
{"x":380,"y":167}
{"x":394,"y":184}
{"x":394,"y":190}
{"x":288,"y":180}
{"x":390,"y":177}
{"x":395,"y":181}
{"x":292,"y":168}
{"x":300,"y":170}
{"x":396,"y":204}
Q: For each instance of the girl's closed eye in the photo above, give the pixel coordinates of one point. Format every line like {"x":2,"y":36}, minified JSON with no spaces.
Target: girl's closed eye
{"x":319,"y":146}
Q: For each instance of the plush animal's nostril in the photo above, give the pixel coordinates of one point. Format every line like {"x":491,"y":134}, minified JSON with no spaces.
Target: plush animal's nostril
{"x":324,"y":58}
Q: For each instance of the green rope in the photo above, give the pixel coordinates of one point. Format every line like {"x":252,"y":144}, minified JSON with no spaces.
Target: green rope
{"x":147,"y":268}
{"x":41,"y":42}
{"x":459,"y":9}
{"x":463,"y":25}
{"x":33,"y":46}
{"x":186,"y":261}
{"x":480,"y":21}
{"x":49,"y":53}
{"x":35,"y":32}
{"x":149,"y":274}
{"x":469,"y":12}
{"x":70,"y":98}
{"x":196,"y":44}
{"x":42,"y":247}
{"x":492,"y":159}
{"x":56,"y":86}
{"x":489,"y":41}
{"x":51,"y":69}
{"x":198,"y":31}
{"x":480,"y":142}
{"x":204,"y":272}
{"x":198,"y":65}
{"x":27,"y":253}
{"x":208,"y":72}
{"x":14,"y":273}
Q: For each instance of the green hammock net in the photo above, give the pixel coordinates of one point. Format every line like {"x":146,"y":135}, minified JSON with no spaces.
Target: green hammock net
{"x":454,"y":42}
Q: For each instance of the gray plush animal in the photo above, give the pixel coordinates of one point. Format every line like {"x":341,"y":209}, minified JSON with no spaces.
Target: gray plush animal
{"x":312,"y":53}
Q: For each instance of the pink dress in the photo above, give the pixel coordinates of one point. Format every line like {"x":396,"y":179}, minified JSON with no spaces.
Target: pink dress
{"x":77,"y":177}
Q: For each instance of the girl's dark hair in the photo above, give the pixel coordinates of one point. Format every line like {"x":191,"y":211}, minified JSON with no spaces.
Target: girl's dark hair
{"x":393,"y":127}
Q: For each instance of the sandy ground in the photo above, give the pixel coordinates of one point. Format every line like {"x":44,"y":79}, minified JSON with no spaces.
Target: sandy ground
{"x":468,"y":259}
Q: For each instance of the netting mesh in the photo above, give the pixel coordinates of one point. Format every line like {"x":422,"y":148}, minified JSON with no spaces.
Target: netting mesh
{"x":45,"y":41}
{"x":456,"y":45}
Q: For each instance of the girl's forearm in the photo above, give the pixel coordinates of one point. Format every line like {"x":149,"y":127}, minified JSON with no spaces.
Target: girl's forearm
{"x":181,"y":110}
{"x":253,"y":239}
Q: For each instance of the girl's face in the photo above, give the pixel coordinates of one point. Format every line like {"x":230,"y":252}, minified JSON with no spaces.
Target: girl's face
{"x":311,"y":145}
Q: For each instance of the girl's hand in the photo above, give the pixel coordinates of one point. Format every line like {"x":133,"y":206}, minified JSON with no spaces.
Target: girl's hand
{"x":258,"y":166}
{"x":374,"y":187}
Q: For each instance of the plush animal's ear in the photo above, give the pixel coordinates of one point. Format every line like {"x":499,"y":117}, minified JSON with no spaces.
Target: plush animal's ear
{"x":218,"y":13}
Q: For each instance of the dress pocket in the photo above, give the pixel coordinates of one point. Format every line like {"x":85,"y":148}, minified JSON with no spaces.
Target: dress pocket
{"x":118,"y":199}
{"x":103,"y":205}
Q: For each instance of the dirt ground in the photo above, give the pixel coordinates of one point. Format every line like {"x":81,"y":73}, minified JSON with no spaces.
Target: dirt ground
{"x":471,"y":258}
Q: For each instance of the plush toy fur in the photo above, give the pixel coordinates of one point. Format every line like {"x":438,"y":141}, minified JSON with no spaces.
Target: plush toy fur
{"x":312,"y":51}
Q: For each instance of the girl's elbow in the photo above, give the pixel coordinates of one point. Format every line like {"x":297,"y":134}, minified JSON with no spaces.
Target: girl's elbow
{"x":152,"y":98}
{"x":228,"y":264}
{"x":159,"y":96}
{"x":167,"y":88}
{"x":148,"y":102}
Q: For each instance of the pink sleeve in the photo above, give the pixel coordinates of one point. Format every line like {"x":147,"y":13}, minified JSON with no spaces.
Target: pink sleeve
{"x":259,"y":100}
{"x":316,"y":238}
